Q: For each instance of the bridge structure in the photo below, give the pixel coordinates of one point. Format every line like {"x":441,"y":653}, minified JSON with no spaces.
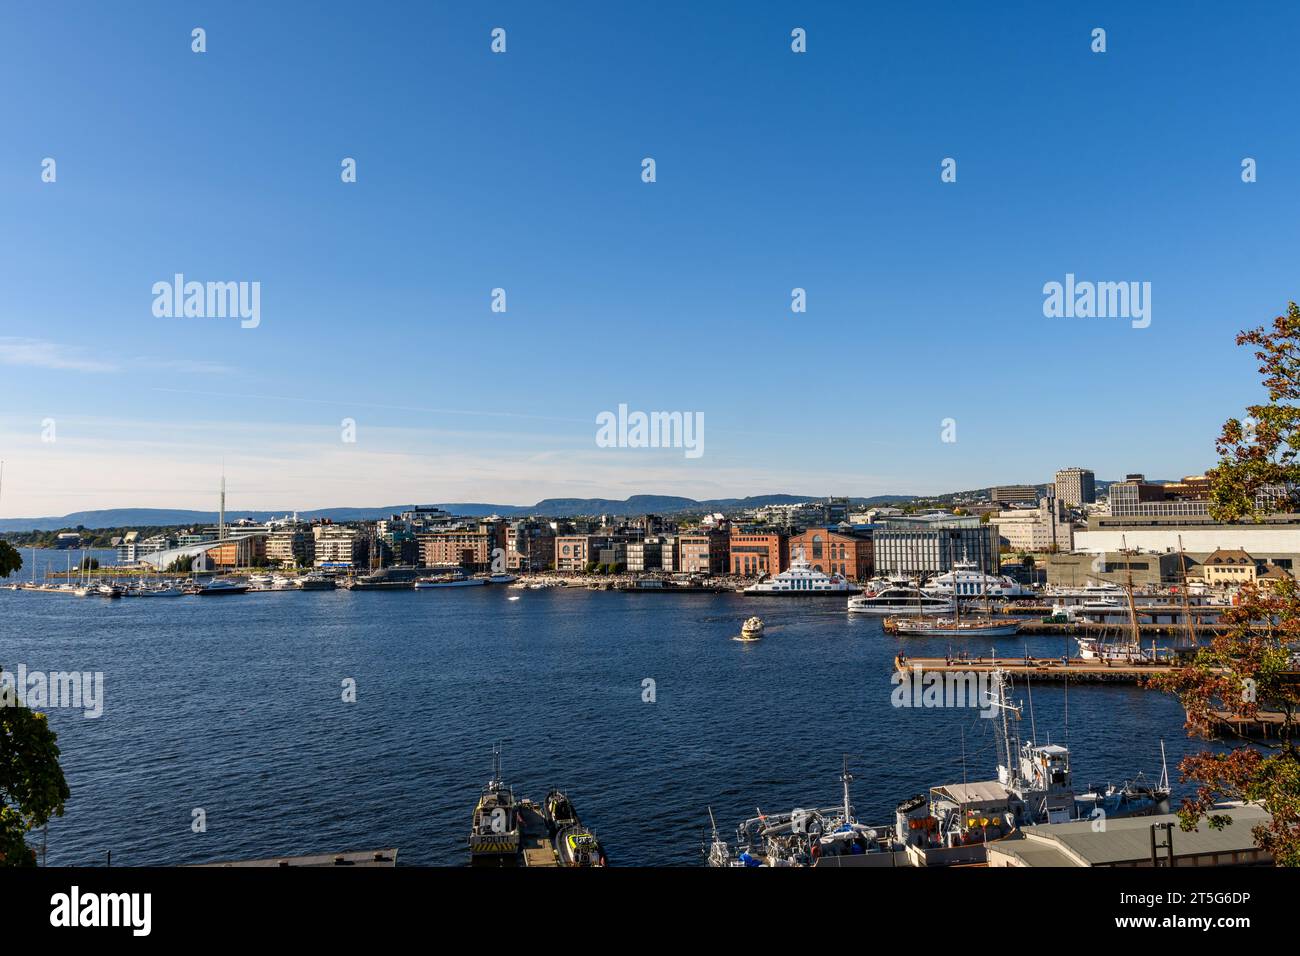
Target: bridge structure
{"x":169,"y":556}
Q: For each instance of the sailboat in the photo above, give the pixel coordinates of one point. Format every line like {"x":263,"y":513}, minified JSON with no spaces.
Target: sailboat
{"x":1128,"y":651}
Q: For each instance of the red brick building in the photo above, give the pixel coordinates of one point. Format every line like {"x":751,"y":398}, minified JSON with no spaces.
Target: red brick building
{"x":836,"y":552}
{"x":754,"y":554}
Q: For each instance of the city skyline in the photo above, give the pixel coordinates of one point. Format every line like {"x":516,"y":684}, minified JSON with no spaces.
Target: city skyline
{"x":523,"y":171}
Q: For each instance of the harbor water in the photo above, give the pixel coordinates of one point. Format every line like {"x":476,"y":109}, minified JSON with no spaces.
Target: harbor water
{"x":235,"y":707}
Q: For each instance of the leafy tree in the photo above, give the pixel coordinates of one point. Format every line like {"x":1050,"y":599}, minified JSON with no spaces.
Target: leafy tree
{"x":10,"y":559}
{"x":1249,"y":669}
{"x":32,"y":788}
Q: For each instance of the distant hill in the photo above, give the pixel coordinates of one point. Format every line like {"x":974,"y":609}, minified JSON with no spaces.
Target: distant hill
{"x":549,"y":507}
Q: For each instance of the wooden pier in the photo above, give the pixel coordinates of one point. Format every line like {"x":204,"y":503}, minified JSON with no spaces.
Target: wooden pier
{"x":535,"y":846}
{"x":1072,"y":669}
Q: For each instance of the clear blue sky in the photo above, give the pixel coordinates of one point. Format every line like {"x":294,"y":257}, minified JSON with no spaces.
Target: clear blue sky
{"x":522,"y":171}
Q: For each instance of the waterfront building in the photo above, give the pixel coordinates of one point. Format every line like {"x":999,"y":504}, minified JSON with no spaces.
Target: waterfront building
{"x":469,"y":547}
{"x":1013,"y":494}
{"x":573,"y":552}
{"x":68,"y":539}
{"x":703,"y":552}
{"x":754,"y":553}
{"x":242,"y":553}
{"x":1076,"y":486}
{"x":644,"y":555}
{"x":613,"y":555}
{"x":530,"y":546}
{"x":291,"y":545}
{"x":1042,"y":528}
{"x":668,"y":555}
{"x":339,"y":546}
{"x":933,"y":543}
{"x":834,"y":551}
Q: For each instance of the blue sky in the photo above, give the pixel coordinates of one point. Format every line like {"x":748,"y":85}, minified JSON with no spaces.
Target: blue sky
{"x":522,"y":171}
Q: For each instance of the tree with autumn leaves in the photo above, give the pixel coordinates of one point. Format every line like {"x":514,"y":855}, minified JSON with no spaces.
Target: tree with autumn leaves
{"x":1249,"y":668}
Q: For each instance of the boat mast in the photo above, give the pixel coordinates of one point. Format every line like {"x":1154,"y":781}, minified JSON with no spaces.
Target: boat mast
{"x":1187,"y":610}
{"x":846,"y":778}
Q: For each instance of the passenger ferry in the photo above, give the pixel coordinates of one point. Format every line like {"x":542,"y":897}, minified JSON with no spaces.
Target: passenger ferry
{"x":900,"y":600}
{"x":801,"y":579}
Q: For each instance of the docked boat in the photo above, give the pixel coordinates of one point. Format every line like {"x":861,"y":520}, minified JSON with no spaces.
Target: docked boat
{"x":801,"y":579}
{"x":454,"y":578}
{"x":950,"y":627}
{"x":967,"y":582}
{"x":831,"y":836}
{"x":1119,"y":652}
{"x":316,"y":581}
{"x":575,"y":845}
{"x":752,"y":629}
{"x":502,"y":578}
{"x":898,"y":599}
{"x":160,"y":589}
{"x":219,"y":587}
{"x":1034,"y":785}
{"x":106,"y":590}
{"x":495,"y":833}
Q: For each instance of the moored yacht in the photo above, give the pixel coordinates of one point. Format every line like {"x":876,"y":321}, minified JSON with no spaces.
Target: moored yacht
{"x":967,"y":582}
{"x":218,"y":587}
{"x":450,"y":578}
{"x":898,"y":599}
{"x":801,"y":579}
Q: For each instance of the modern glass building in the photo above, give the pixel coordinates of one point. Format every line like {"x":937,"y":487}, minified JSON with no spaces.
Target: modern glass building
{"x":932,"y":544}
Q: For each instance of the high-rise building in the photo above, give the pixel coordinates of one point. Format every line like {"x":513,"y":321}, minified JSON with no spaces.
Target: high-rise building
{"x":1076,"y":486}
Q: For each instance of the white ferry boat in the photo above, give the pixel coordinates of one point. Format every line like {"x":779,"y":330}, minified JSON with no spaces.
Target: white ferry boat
{"x":899,"y":600}
{"x":801,"y":579}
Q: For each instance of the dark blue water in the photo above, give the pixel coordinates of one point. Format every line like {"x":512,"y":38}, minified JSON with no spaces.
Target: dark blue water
{"x":234,"y":705}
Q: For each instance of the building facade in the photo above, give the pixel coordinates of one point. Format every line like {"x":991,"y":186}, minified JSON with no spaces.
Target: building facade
{"x":292,"y":545}
{"x":932,"y":544}
{"x":755,"y":553}
{"x":1013,"y":494}
{"x":836,"y":552}
{"x":1076,"y":486}
{"x":1045,"y":528}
